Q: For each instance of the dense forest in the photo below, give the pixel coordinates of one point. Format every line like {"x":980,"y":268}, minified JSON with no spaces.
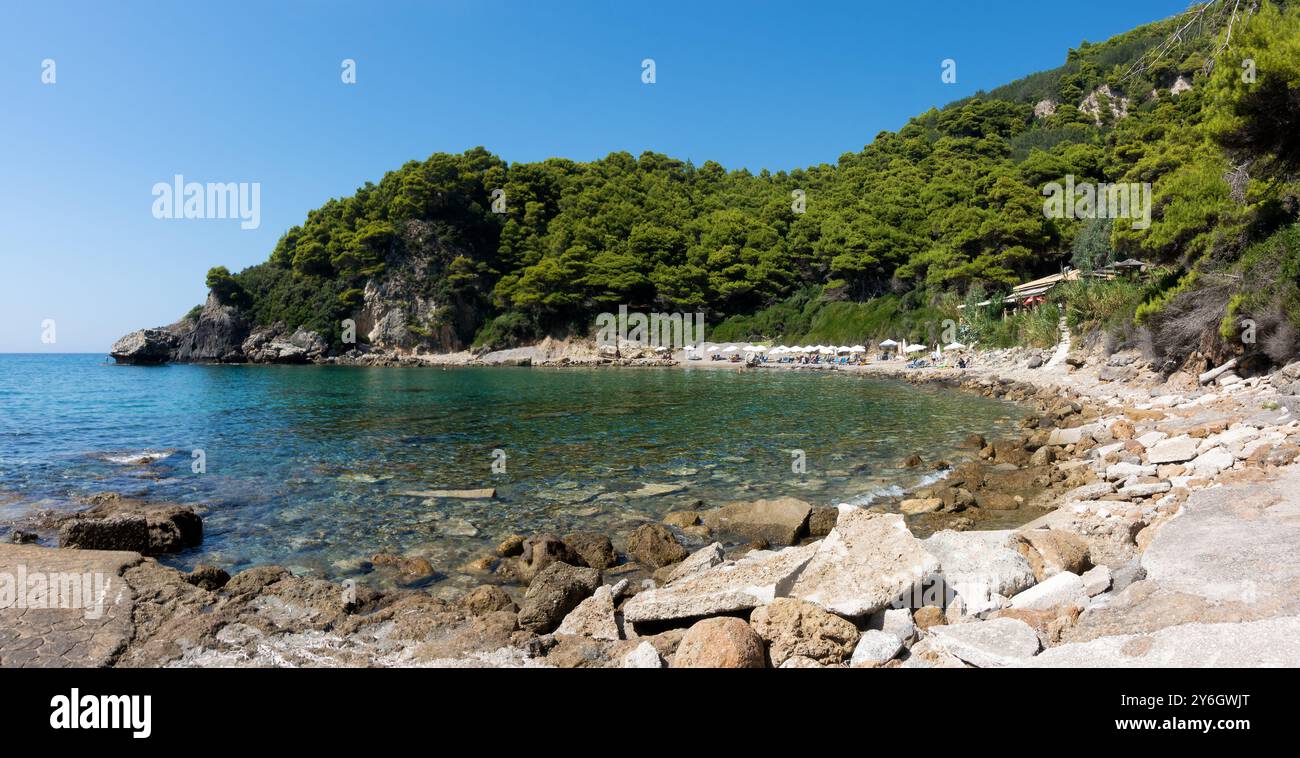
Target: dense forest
{"x":1204,"y":106}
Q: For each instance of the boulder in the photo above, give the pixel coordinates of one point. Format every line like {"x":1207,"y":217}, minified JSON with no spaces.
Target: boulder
{"x":915,"y":506}
{"x":682,"y":519}
{"x":781,"y":521}
{"x":730,"y":587}
{"x":822,"y":520}
{"x":895,"y":621}
{"x":643,"y":656}
{"x":593,"y":617}
{"x":114,"y":533}
{"x":1051,"y":551}
{"x":594,"y":548}
{"x":654,"y":545}
{"x":724,"y":642}
{"x":875,"y":648}
{"x":555,"y":591}
{"x":1096,"y":580}
{"x":984,"y":568}
{"x":866,"y":563}
{"x":793,"y":627}
{"x":1173,"y":450}
{"x":1272,"y":643}
{"x":209,"y":578}
{"x":995,"y":643}
{"x":144,"y":347}
{"x":1211,"y":462}
{"x":1065,"y":588}
{"x":217,"y":336}
{"x":704,"y":558}
{"x":487,"y":598}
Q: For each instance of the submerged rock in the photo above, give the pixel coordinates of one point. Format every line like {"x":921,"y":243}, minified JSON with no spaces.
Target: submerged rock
{"x":655,"y":546}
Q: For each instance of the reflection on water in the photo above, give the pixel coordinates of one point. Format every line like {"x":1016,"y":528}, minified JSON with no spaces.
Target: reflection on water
{"x":306,"y":466}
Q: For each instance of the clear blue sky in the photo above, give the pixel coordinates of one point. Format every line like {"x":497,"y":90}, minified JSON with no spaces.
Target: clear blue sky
{"x":250,"y":92}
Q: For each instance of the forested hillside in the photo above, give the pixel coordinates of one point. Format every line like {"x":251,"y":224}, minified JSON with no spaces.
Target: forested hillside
{"x":949,"y":207}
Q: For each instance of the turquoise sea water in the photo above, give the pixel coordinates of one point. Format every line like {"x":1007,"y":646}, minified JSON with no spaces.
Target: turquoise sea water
{"x":307,"y":466}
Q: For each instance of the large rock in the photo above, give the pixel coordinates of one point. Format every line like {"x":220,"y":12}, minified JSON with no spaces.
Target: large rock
{"x":726,"y":642}
{"x":1065,"y":588}
{"x":866,"y":563}
{"x":593,"y":617}
{"x":875,"y":648}
{"x":593,"y":548}
{"x":984,"y":568}
{"x":778,"y":522}
{"x":115,"y":533}
{"x":655,"y":546}
{"x":730,"y":587}
{"x":144,"y":346}
{"x":172,"y":528}
{"x":988,"y":644}
{"x":793,"y":627}
{"x":704,"y":558}
{"x":558,"y":589}
{"x":217,"y":335}
{"x":1211,"y":462}
{"x":1173,"y":450}
{"x":1051,"y":551}
{"x":1271,"y":643}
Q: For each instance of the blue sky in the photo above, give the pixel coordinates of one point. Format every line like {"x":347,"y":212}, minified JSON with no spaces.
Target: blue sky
{"x":251,"y":92}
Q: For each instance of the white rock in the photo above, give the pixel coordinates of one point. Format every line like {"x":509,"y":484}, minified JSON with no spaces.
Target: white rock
{"x":1125,"y":470}
{"x":1151,"y":439}
{"x":1211,"y":462}
{"x":593,"y":617}
{"x":988,"y":644}
{"x":982,"y":567}
{"x":898,"y":622}
{"x":704,"y":558}
{"x":874,"y":648}
{"x":1173,"y":450}
{"x":1096,"y":580}
{"x":1144,"y":489}
{"x":726,"y":588}
{"x":643,"y":656}
{"x":866,"y":562}
{"x":1090,"y":491}
{"x":1065,"y":588}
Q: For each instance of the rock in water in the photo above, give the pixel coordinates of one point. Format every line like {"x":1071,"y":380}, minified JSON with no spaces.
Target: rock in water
{"x":594,"y":548}
{"x":865,"y":563}
{"x":655,"y":546}
{"x":793,"y":627}
{"x":218,"y":335}
{"x":144,"y":346}
{"x":778,"y":522}
{"x":555,"y":591}
{"x":720,"y":643}
{"x":115,"y":533}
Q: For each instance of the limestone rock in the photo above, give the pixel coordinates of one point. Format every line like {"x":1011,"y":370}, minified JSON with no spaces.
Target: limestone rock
{"x":988,"y":644}
{"x":1065,"y":588}
{"x":1173,"y":450}
{"x":984,"y":568}
{"x":875,"y":648}
{"x":594,"y":548}
{"x":865,"y":563}
{"x":704,"y":558}
{"x":593,"y":617}
{"x":1051,"y":551}
{"x":144,"y":347}
{"x":732,"y":586}
{"x":643,"y":656}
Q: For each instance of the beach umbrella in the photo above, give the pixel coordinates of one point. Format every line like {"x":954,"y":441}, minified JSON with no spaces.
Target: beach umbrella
{"x":857,"y":349}
{"x":731,"y":349}
{"x":843,"y":349}
{"x":954,"y":346}
{"x":889,"y":343}
{"x":914,"y":348}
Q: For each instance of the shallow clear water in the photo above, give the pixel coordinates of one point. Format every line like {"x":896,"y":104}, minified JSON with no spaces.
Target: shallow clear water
{"x":306,"y":466}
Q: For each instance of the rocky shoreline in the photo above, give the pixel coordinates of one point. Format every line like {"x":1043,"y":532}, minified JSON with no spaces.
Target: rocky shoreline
{"x":1158,"y":516}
